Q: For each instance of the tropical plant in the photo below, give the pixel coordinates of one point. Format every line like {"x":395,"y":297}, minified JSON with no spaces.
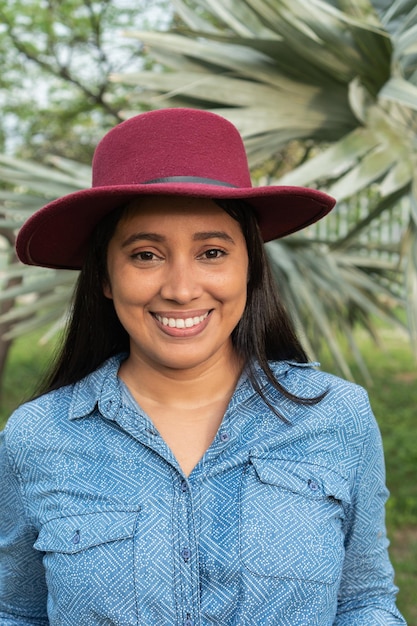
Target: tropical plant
{"x":324,"y":94}
{"x":327,"y":90}
{"x":56,"y":56}
{"x":32,"y":297}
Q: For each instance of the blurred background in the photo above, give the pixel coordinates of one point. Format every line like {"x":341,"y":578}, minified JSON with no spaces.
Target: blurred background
{"x":324,"y":93}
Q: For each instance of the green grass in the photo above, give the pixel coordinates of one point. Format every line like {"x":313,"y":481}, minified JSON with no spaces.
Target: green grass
{"x":394,"y":400}
{"x":26,"y":364}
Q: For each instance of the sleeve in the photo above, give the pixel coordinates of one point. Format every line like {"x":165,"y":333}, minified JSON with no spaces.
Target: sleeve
{"x":367,"y":591}
{"x":22,"y":581}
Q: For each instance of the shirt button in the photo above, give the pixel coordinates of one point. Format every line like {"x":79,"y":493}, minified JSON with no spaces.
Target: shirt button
{"x":313,"y":485}
{"x":76,"y":537}
{"x":184,"y":486}
{"x":186,"y":553}
{"x":224,"y":436}
{"x":188,"y":622}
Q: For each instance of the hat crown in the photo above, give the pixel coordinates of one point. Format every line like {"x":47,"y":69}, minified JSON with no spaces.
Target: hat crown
{"x":171,"y":143}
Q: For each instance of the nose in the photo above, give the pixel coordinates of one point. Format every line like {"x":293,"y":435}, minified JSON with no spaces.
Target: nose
{"x":181,"y":283}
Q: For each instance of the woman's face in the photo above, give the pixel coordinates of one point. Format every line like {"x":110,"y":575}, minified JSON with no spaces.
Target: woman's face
{"x":178,"y":272}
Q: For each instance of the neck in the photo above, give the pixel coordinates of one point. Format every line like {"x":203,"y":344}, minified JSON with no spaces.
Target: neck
{"x":182,"y":388}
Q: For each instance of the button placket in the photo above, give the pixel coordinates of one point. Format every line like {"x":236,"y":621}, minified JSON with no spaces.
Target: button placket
{"x":187,"y":553}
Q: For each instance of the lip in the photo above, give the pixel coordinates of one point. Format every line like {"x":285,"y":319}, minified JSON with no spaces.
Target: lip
{"x":191,"y":331}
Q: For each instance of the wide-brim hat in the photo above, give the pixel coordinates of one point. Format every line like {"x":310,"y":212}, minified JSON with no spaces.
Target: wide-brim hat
{"x":181,"y":152}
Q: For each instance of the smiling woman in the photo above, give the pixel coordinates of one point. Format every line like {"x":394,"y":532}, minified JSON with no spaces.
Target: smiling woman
{"x":178,"y":259}
{"x":183,"y":462}
{"x":177,"y":273}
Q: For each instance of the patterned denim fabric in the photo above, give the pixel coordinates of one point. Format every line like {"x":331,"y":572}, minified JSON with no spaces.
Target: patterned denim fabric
{"x":279,"y":524}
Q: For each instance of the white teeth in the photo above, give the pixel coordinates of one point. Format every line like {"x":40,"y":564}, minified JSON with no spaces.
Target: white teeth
{"x":180,"y":322}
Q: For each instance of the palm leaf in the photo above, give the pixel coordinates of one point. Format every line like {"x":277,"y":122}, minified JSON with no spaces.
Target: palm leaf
{"x":328,"y":86}
{"x":325,"y":75}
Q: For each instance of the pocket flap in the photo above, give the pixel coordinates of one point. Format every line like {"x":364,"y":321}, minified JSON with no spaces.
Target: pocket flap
{"x":307,"y":479}
{"x":77,"y":532}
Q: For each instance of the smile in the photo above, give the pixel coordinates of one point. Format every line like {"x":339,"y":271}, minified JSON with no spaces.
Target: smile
{"x":180,"y":322}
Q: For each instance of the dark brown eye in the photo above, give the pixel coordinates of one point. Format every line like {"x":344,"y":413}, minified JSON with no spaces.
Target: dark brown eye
{"x":213,"y":253}
{"x":144,"y":256}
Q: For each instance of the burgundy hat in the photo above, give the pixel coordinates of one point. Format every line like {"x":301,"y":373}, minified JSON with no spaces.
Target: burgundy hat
{"x":182,"y":152}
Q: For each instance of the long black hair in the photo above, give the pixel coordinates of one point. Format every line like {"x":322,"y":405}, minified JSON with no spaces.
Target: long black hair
{"x":94,"y":333}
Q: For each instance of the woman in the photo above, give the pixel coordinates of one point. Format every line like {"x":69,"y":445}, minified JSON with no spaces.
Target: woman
{"x":184,"y":463}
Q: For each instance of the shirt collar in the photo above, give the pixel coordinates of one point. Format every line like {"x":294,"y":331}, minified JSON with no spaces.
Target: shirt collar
{"x":101,"y":389}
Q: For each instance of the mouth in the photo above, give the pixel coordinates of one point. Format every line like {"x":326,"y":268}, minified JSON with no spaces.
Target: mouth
{"x":181,"y":322}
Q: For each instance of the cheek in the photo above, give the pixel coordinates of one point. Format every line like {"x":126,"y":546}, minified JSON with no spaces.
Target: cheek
{"x":129,"y":291}
{"x":235,"y":290}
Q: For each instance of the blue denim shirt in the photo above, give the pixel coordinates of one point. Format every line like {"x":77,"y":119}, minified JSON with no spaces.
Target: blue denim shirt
{"x":278,"y":524}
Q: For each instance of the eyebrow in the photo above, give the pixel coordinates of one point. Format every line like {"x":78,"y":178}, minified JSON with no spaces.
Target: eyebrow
{"x":140,"y":236}
{"x":200,"y":236}
{"x":213,"y":234}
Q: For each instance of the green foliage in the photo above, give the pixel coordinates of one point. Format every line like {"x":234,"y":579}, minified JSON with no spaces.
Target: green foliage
{"x":404,"y":559}
{"x":27,"y":362}
{"x":322,"y":93}
{"x":55,"y":91}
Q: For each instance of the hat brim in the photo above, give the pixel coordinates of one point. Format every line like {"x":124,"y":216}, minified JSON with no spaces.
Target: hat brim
{"x":57,"y":235}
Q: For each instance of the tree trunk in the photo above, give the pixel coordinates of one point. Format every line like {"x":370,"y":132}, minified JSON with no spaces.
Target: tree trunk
{"x":5,"y":307}
{"x":5,"y":346}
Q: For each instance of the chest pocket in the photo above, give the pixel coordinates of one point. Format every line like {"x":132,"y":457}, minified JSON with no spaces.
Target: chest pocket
{"x":89,"y":567}
{"x":75,"y":533}
{"x":291,"y":520}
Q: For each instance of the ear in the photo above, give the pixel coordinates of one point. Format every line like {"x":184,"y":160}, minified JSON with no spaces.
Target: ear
{"x":107,"y":290}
